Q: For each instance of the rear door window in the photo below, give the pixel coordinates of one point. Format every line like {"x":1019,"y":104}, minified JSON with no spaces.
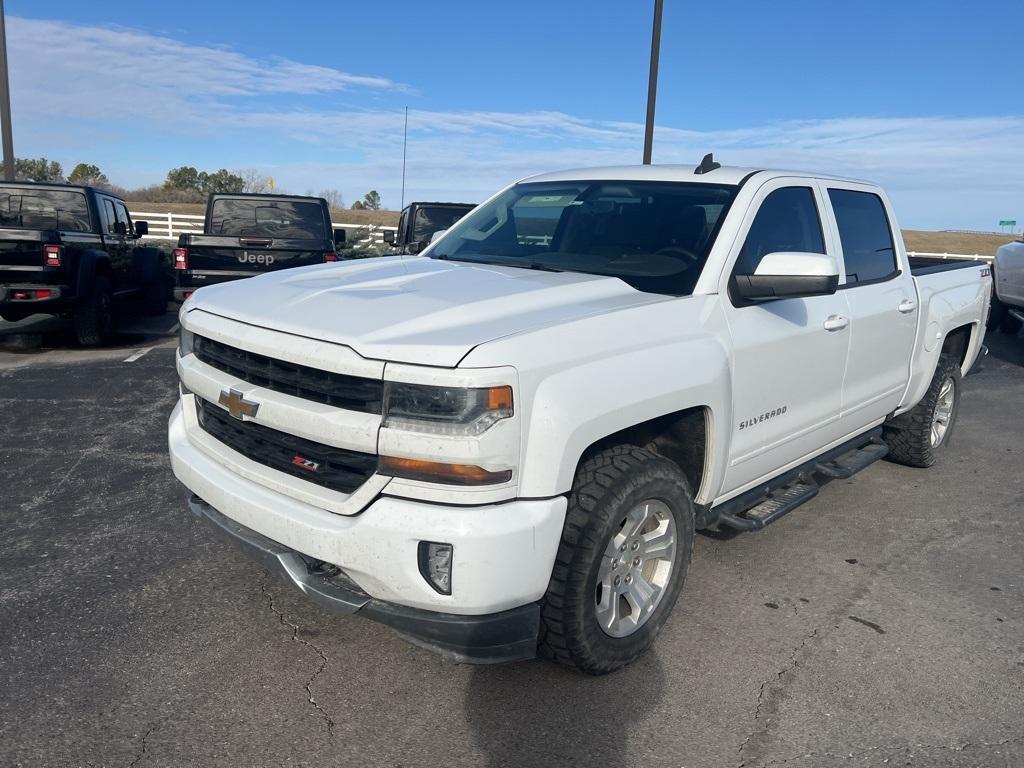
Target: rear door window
{"x":786,"y":221}
{"x":865,"y":235}
{"x":110,"y":218}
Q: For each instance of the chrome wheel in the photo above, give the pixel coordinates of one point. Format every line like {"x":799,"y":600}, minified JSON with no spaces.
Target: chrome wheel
{"x":636,"y":568}
{"x":943,"y":411}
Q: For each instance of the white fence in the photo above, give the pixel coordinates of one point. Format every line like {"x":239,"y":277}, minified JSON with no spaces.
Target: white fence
{"x":167,"y":226}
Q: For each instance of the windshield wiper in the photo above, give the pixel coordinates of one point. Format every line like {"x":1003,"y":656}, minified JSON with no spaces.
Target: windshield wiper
{"x":522,"y":264}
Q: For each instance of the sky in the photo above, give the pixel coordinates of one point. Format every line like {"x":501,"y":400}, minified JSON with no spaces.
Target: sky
{"x":922,"y":97}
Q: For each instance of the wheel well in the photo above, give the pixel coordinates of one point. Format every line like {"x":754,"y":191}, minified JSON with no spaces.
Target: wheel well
{"x":957,"y":343}
{"x":680,"y":437}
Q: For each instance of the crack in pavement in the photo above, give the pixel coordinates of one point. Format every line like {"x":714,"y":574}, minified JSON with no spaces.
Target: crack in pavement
{"x":793,"y":662}
{"x":142,"y":753}
{"x":860,"y":751}
{"x":323,"y":657}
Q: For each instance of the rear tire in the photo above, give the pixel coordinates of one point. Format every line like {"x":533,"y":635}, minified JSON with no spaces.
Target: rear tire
{"x":622,"y":497}
{"x":915,"y":436}
{"x":93,"y":318}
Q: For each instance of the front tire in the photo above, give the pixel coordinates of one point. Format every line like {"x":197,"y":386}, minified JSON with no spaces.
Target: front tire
{"x":915,"y":436}
{"x":622,"y":561}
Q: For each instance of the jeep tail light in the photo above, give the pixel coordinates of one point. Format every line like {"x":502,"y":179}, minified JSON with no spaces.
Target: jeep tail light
{"x":180,"y":258}
{"x":330,"y":256}
{"x":54,"y":255}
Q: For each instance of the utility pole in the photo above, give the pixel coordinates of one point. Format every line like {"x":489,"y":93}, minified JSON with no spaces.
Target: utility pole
{"x":652,"y":82}
{"x":5,"y":103}
{"x":405,"y":143}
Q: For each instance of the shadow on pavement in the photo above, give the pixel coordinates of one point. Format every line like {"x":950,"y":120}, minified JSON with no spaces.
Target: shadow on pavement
{"x":1006,"y":347}
{"x":537,"y":714}
{"x":40,"y":333}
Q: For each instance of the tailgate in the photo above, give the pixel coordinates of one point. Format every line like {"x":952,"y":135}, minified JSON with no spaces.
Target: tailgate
{"x":21,"y":253}
{"x":228,"y":257}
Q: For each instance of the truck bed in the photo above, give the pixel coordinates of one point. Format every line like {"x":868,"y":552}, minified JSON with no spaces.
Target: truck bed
{"x":924,"y":265}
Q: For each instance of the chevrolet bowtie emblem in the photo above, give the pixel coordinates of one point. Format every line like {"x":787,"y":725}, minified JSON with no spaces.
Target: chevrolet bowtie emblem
{"x":237,"y":405}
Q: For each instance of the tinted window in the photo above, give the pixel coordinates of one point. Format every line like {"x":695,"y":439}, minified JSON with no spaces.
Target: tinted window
{"x":122,"y":216}
{"x":786,"y":221}
{"x":268,"y":218}
{"x":25,"y":208}
{"x":430,"y":220}
{"x":655,"y":236}
{"x":864,"y":232}
{"x":110,"y":216}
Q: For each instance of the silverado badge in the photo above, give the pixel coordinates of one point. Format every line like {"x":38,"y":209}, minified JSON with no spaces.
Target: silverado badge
{"x":237,"y":405}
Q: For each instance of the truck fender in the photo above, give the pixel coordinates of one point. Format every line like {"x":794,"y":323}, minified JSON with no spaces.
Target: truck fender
{"x":577,"y":407}
{"x":91,"y":262}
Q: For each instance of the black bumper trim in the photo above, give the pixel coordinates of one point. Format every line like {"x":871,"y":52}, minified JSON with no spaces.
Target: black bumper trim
{"x":486,"y":639}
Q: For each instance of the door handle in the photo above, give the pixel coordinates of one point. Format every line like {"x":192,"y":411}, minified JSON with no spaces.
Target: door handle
{"x":907,"y":306}
{"x":836,"y":323}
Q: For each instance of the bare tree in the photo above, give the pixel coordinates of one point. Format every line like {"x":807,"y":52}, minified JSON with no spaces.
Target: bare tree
{"x":333,"y":198}
{"x":254,"y":181}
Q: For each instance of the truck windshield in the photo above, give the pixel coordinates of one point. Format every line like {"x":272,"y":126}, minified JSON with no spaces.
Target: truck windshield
{"x":655,"y":236}
{"x":431,"y":219}
{"x":27,"y":208}
{"x":268,"y":218}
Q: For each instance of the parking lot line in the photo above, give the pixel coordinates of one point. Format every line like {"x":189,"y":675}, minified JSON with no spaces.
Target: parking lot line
{"x":136,"y":355}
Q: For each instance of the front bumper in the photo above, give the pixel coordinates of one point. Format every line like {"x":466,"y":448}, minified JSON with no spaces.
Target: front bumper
{"x":488,"y":639}
{"x":503,"y":553}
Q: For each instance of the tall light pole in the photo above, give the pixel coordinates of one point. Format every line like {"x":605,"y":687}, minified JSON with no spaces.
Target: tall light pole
{"x":652,"y":82}
{"x":5,"y":103}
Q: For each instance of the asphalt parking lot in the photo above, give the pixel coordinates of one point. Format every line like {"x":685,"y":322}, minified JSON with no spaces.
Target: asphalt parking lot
{"x":881,"y":624}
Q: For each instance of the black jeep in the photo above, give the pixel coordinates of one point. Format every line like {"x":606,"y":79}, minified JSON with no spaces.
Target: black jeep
{"x":72,"y":251}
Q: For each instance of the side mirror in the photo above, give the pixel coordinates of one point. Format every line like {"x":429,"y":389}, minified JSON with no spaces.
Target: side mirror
{"x":121,"y":228}
{"x":437,"y":235}
{"x":339,"y":237}
{"x":141,"y":228}
{"x":789,"y":275}
{"x":389,"y":236}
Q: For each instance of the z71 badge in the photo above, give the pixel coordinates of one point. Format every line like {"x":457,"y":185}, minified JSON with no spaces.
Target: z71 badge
{"x":752,"y":421}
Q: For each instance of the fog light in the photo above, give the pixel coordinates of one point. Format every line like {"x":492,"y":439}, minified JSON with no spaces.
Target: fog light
{"x":436,"y":565}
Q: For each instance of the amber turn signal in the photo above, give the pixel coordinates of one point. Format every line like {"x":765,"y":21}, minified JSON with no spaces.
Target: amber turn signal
{"x":437,"y":472}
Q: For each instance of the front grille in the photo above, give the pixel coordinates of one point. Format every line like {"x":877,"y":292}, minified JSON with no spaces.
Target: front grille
{"x":354,"y":393}
{"x":337,"y":468}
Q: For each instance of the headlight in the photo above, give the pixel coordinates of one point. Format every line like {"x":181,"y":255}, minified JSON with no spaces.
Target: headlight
{"x":445,"y":410}
{"x":186,"y":341}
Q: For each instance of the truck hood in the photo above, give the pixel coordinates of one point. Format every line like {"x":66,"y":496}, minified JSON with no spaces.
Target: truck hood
{"x":414,"y":309}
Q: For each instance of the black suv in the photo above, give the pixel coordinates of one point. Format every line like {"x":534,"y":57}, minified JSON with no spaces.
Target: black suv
{"x":72,"y":251}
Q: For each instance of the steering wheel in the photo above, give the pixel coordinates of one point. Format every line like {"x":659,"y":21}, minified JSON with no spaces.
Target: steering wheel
{"x":679,"y":252}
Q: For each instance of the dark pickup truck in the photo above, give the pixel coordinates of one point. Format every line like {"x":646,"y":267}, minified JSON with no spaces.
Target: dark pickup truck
{"x":419,"y":222}
{"x":71,"y":251}
{"x":246,"y":235}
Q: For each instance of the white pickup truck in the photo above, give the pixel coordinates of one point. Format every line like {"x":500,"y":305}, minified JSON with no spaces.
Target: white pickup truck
{"x":503,"y":447}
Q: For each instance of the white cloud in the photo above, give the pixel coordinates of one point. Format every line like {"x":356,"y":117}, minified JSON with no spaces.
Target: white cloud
{"x":943,"y":172}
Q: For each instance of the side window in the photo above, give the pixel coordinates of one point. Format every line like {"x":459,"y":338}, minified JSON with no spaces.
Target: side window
{"x":865,"y":234}
{"x":109,"y":217}
{"x":786,"y":221}
{"x":122,"y":216}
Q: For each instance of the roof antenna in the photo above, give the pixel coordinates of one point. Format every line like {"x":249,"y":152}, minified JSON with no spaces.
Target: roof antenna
{"x":707,"y":164}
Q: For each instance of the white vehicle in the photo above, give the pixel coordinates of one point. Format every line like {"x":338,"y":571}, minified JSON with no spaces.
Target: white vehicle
{"x":1008,"y":278}
{"x":503,"y":446}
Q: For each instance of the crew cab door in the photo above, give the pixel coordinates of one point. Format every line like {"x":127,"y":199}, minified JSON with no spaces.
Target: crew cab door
{"x":883,"y":304}
{"x":789,"y":355}
{"x":116,"y":244}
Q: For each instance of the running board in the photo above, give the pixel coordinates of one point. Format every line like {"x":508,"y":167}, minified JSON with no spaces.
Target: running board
{"x":777,"y":504}
{"x":852,"y":462}
{"x":765,"y":504}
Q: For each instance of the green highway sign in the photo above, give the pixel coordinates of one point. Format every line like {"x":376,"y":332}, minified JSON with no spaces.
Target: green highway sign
{"x":1008,"y":223}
